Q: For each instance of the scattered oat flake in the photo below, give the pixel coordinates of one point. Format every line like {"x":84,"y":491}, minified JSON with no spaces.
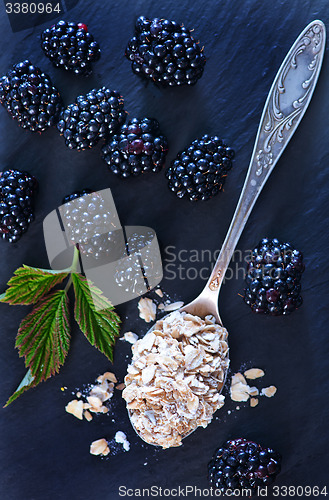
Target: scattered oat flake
{"x":120,"y":387}
{"x":130,"y":337}
{"x":75,"y":407}
{"x":268,"y":391}
{"x":161,"y":307}
{"x":239,"y":389}
{"x":87,"y":415}
{"x":121,"y":438}
{"x":99,"y":447}
{"x":239,"y":392}
{"x":111,"y":377}
{"x":147,"y":309}
{"x":94,"y":401}
{"x":238,"y":377}
{"x":253,"y":402}
{"x":159,"y":292}
{"x":254,"y":373}
{"x":78,"y":394}
{"x":253,"y":391}
{"x":107,"y":376}
{"x":173,"y":306}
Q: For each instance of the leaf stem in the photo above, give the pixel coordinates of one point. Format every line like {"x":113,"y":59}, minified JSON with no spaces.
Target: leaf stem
{"x":73,"y":268}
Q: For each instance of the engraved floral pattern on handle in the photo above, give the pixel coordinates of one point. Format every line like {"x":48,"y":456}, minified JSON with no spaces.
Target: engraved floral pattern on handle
{"x":277,"y":124}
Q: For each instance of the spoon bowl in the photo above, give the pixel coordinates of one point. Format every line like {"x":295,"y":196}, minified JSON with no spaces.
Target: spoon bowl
{"x":284,"y":108}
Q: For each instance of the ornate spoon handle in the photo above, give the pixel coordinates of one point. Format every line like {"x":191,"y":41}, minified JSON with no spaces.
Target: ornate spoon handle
{"x":285,"y":106}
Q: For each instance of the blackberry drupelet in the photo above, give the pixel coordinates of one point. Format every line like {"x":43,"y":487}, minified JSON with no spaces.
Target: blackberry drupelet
{"x":241,"y":464}
{"x":137,"y":148}
{"x":87,"y":223}
{"x":17,"y":193}
{"x":75,"y":195}
{"x":91,"y":117}
{"x":70,"y":46}
{"x":131,"y":274}
{"x":165,"y":52}
{"x":273,"y":278}
{"x":199,"y":172}
{"x":30,"y":97}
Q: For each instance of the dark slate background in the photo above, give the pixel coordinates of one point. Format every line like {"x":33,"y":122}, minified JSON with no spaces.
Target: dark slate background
{"x":45,"y":451}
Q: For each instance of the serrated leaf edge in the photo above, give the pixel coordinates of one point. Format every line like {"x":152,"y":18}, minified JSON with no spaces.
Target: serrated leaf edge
{"x":82,"y":288}
{"x":23,"y":276}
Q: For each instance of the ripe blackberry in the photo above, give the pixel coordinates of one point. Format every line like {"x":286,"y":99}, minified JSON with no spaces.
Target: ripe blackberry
{"x":87,"y":223}
{"x":273,"y":278}
{"x":242,"y":464}
{"x":70,"y":46}
{"x":199,"y":172}
{"x":137,"y":148}
{"x":165,"y":52}
{"x":91,"y":117}
{"x":17,"y":192}
{"x":30,"y":97}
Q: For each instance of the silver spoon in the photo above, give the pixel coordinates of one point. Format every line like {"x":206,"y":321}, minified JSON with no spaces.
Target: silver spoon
{"x":285,"y":106}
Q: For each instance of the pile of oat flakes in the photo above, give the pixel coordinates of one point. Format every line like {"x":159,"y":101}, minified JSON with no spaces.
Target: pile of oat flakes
{"x":173,"y":382}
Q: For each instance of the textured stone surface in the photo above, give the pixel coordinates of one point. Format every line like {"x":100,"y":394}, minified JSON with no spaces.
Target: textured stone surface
{"x":44,"y":453}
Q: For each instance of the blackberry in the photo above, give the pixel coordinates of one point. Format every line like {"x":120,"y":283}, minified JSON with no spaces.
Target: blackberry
{"x":241,"y":464}
{"x":91,"y":117}
{"x":165,"y":52}
{"x":199,"y":172}
{"x":273,"y":278}
{"x":30,"y":97}
{"x":17,"y":192}
{"x":70,"y":46}
{"x":137,"y":148}
{"x":87,"y":223}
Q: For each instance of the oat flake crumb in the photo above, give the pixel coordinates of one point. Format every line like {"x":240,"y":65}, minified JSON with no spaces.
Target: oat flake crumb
{"x":268,"y":391}
{"x":99,"y":447}
{"x":147,"y":309}
{"x":254,"y":373}
{"x":87,"y":415}
{"x":253,"y":402}
{"x":173,"y":306}
{"x":130,"y":337}
{"x":121,"y":438}
{"x":253,"y":391}
{"x":239,"y":390}
{"x":75,"y":407}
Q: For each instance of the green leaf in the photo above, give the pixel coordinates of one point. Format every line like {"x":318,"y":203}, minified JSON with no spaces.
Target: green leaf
{"x":95,"y":315}
{"x":44,"y":336}
{"x":27,"y":383}
{"x":29,"y":284}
